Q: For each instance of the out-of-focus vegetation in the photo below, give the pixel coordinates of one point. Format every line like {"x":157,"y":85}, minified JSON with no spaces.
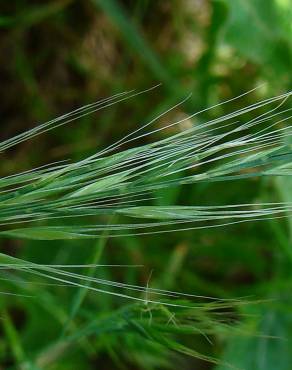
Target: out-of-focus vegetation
{"x":58,"y":55}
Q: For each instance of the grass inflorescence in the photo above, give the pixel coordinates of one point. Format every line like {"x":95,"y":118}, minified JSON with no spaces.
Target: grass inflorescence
{"x":112,"y":193}
{"x":117,"y":182}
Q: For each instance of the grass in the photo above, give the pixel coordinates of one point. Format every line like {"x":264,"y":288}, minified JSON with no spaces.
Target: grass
{"x":172,"y":245}
{"x":122,"y":184}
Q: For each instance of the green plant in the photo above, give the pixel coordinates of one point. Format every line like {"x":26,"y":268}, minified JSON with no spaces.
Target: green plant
{"x":108,"y":193}
{"x":106,"y":184}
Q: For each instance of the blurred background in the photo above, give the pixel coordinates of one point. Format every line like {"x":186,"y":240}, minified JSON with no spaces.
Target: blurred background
{"x":61,"y":54}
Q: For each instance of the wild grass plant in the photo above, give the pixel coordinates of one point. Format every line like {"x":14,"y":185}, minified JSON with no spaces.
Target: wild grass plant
{"x":113,"y":193}
{"x":117,"y":182}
